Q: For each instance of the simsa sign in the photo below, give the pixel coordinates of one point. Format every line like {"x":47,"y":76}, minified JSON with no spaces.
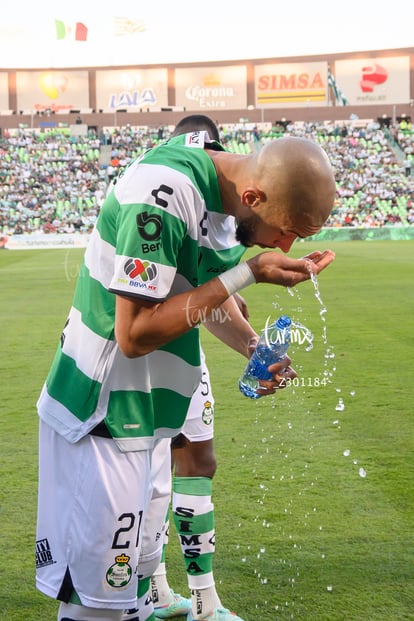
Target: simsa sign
{"x":291,"y":85}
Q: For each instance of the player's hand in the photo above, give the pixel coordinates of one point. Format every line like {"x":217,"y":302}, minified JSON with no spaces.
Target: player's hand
{"x":281,"y":371}
{"x":278,"y":269}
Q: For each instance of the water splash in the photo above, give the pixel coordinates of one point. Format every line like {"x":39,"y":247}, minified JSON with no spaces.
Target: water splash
{"x":287,"y":470}
{"x":329,"y":356}
{"x":323,"y":309}
{"x":340,"y":407}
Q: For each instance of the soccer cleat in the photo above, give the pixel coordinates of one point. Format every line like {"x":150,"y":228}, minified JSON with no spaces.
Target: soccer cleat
{"x":179,"y":606}
{"x":218,"y":614}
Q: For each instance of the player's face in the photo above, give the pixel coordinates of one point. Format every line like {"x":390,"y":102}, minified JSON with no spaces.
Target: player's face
{"x":254,"y":232}
{"x":272,"y":232}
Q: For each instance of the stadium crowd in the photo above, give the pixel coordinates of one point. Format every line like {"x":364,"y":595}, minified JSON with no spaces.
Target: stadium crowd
{"x":52,"y":182}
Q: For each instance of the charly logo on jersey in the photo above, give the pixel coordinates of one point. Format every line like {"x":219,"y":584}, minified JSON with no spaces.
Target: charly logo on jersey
{"x":140,"y":273}
{"x":119,"y":574}
{"x":43,"y":553}
{"x":208,"y":413}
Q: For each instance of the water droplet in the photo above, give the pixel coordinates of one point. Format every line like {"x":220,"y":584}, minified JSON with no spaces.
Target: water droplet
{"x":340,"y":405}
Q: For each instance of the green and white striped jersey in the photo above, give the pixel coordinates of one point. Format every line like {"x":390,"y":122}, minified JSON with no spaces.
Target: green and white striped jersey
{"x":161,"y":231}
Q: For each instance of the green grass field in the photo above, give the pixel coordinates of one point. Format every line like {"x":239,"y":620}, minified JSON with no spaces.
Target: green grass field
{"x":314,"y":504}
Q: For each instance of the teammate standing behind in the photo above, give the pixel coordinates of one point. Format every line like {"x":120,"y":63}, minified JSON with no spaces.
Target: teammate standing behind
{"x":195,"y":465}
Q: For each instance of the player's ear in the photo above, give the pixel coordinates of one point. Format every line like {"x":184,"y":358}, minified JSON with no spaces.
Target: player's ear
{"x":252,"y":197}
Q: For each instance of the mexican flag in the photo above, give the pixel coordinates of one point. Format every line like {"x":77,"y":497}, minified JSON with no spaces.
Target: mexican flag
{"x":76,"y":32}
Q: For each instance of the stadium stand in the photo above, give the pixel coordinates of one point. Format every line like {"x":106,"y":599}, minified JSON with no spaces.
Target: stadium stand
{"x":52,"y":182}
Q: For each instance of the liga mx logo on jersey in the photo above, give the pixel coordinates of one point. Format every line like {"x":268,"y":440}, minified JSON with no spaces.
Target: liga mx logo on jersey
{"x":141,"y":273}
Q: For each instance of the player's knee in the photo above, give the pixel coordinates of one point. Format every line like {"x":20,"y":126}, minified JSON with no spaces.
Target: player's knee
{"x":196,"y":459}
{"x":206,"y":464}
{"x":213,"y":467}
{"x":73,"y":612}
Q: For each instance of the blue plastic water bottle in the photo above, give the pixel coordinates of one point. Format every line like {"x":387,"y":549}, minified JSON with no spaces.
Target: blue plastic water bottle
{"x":272,"y":347}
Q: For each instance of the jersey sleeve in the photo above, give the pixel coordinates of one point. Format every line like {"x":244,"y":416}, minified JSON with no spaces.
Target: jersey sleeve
{"x":154,"y":219}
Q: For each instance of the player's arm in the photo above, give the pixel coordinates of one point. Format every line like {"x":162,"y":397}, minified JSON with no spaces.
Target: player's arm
{"x":241,"y":303}
{"x":228,"y":324}
{"x":142,"y":327}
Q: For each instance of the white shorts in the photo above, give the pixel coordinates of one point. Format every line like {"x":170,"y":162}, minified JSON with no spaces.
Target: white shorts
{"x":199,"y":423}
{"x":92,"y":531}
